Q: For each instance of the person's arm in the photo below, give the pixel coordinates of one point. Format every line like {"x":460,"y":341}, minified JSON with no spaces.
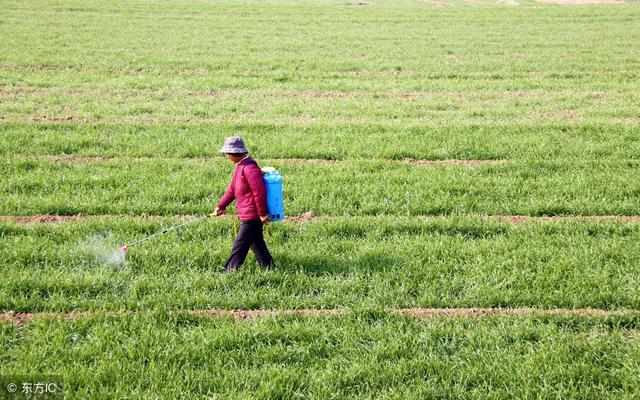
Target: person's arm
{"x":253,"y":174}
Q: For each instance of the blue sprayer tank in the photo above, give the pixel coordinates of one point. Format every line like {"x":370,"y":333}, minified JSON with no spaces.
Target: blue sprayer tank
{"x":275,"y":201}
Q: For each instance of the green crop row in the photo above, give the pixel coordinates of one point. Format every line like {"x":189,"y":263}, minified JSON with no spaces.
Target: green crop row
{"x":65,"y":60}
{"x":284,"y":40}
{"x":255,"y":106}
{"x":439,"y":76}
{"x":362,"y":355}
{"x":377,"y":262}
{"x":329,"y":141}
{"x":364,"y":187}
{"x":157,"y":85}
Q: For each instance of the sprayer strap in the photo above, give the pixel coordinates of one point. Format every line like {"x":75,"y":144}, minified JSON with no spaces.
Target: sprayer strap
{"x":245,"y":166}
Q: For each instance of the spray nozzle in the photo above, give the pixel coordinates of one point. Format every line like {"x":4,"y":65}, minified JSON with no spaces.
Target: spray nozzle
{"x":124,"y":249}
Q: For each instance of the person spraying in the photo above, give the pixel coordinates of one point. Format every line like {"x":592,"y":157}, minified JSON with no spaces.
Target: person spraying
{"x":247,"y":188}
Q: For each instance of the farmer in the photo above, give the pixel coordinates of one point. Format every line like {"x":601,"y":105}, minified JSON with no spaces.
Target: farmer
{"x":248,"y":189}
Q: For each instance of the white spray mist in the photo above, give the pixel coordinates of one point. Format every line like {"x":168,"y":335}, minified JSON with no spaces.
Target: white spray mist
{"x":102,"y":251}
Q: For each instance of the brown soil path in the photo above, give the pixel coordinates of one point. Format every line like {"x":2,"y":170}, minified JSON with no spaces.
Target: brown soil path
{"x":578,"y":2}
{"x":25,"y":317}
{"x":98,"y":159}
{"x":309,"y":217}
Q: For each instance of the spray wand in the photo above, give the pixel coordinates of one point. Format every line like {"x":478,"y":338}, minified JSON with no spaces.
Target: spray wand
{"x":125,"y":248}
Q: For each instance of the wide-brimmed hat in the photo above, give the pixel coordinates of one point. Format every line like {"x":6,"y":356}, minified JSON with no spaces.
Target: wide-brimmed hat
{"x":234,"y":145}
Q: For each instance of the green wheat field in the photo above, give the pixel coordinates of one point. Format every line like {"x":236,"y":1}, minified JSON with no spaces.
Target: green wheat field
{"x":476,"y":156}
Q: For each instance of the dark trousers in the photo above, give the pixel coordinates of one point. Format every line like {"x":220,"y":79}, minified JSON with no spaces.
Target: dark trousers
{"x":249,"y":237}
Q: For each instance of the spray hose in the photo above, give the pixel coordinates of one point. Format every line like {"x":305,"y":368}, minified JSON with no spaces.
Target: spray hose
{"x":234,"y":219}
{"x":125,"y":248}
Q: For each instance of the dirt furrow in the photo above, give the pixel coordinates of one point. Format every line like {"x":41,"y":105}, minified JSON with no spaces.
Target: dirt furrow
{"x":410,"y":161}
{"x":25,"y":317}
{"x":309,"y":216}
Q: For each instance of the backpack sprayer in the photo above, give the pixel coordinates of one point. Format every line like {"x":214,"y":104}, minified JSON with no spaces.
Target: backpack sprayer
{"x":275,"y":206}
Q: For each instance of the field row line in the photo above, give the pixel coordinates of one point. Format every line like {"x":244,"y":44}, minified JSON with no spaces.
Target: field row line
{"x":418,"y":312}
{"x":409,"y":161}
{"x":309,"y":217}
{"x":403,"y":95}
{"x":314,"y":73}
{"x":73,"y":159}
{"x":564,"y":117}
{"x":27,"y":90}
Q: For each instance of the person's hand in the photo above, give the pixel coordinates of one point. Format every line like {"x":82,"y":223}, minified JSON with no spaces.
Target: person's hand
{"x":219,"y":211}
{"x":265,"y":219}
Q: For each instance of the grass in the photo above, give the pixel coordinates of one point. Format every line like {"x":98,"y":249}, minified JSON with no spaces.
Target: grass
{"x":182,"y":356}
{"x":306,"y":108}
{"x":354,"y":188}
{"x":549,"y":91}
{"x":373,"y":262}
{"x":527,"y":141}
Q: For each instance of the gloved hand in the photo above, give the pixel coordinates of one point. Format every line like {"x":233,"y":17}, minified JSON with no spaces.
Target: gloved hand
{"x":217,"y":212}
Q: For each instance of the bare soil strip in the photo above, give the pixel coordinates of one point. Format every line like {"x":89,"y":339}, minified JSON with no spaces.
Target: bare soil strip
{"x":302,"y":120}
{"x":309,"y":217}
{"x":574,"y":2}
{"x":45,"y":218}
{"x":25,"y":317}
{"x":100,"y":159}
{"x":462,"y":96}
{"x":436,"y":3}
{"x":323,"y":94}
{"x":518,"y":219}
{"x":200,"y":71}
{"x":466,"y":163}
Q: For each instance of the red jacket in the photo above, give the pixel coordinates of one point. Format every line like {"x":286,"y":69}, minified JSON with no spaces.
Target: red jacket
{"x":247,"y":188}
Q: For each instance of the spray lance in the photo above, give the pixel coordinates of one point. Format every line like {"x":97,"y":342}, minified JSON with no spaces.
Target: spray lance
{"x":124,"y":249}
